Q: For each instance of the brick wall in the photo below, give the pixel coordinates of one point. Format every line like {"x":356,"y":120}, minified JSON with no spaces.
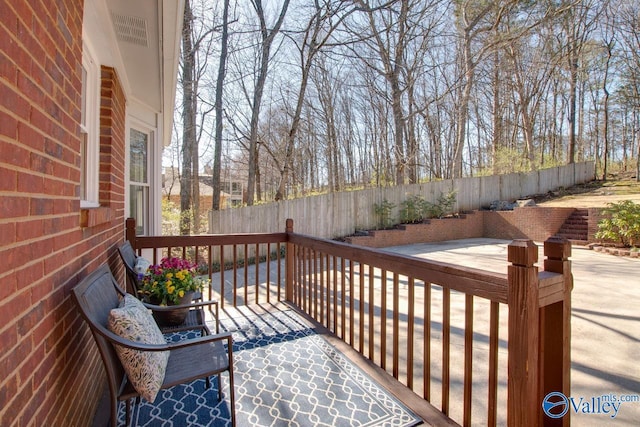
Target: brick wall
{"x":50,"y":371}
{"x":536,"y":223}
{"x":595,"y":215}
{"x":436,"y":230}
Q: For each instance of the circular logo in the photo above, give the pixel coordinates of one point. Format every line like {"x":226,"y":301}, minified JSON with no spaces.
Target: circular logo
{"x":555,"y":404}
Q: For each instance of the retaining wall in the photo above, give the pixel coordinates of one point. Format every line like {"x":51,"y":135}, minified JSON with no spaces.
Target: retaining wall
{"x":536,"y":223}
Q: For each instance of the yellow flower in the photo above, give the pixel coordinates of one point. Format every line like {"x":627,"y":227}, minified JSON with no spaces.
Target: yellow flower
{"x":171,"y":289}
{"x":169,"y":275}
{"x":169,"y":283}
{"x":180,"y":293}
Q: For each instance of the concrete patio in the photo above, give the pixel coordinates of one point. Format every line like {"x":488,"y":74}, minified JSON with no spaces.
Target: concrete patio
{"x":605,"y":322}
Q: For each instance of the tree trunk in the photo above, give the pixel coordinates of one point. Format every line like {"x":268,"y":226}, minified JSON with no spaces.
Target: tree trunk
{"x":398,"y":122}
{"x":188,"y":123}
{"x":605,"y":108}
{"x":267,"y":40}
{"x":463,"y":108}
{"x":222,"y":68}
{"x":291,"y":137}
{"x":497,"y":115}
{"x":463,"y":116}
{"x":412,"y":143}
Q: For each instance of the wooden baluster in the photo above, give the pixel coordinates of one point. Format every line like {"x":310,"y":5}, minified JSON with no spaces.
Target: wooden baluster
{"x":235,"y":275}
{"x":426,"y":344}
{"x":446,"y":348}
{"x":361,"y":308}
{"x":304,"y":280}
{"x":494,"y":320}
{"x":351,"y":301}
{"x":318,"y":288}
{"x":256,"y":261}
{"x":343,"y":301}
{"x":289,"y":267}
{"x":383,"y":319}
{"x":268,"y":260}
{"x":245,"y":256}
{"x":279,"y":271}
{"x":468,"y":359}
{"x":221,"y":272}
{"x":372,"y":306}
{"x":334,"y":270}
{"x":411,"y":301}
{"x":396,"y":324}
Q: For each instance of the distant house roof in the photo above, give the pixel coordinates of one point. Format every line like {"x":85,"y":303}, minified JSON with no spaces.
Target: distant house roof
{"x":171,"y":182}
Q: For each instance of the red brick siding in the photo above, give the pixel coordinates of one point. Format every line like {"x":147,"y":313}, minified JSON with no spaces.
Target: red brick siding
{"x":112,"y":144}
{"x":50,"y":371}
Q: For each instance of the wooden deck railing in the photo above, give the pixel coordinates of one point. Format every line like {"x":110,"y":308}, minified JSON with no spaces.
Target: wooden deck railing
{"x":438,"y":328}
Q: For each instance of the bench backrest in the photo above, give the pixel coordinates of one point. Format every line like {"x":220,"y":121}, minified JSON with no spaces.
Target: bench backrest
{"x":129,"y":257}
{"x":95,"y":296}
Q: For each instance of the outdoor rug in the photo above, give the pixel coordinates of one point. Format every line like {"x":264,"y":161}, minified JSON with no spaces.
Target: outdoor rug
{"x":285,"y":375}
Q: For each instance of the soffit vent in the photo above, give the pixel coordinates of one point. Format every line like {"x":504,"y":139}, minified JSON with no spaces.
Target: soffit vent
{"x":130,"y":29}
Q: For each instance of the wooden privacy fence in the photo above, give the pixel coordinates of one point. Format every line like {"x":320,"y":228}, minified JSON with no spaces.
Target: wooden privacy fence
{"x":444,"y":331}
{"x":343,"y":213}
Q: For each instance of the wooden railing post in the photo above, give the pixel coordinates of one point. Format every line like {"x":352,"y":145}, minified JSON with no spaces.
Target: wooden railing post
{"x":130,"y":231}
{"x":523,"y":368}
{"x":555,"y":330}
{"x":289,"y":260}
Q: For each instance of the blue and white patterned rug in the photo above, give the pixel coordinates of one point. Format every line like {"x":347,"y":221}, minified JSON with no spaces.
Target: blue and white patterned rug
{"x":285,"y":375}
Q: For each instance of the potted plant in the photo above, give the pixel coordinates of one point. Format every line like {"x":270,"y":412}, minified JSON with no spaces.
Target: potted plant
{"x":172,"y":282}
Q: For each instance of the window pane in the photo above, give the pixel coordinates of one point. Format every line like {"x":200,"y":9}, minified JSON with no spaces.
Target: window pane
{"x":84,"y":150}
{"x":139,"y":207}
{"x":83,"y":103}
{"x":139,"y":151}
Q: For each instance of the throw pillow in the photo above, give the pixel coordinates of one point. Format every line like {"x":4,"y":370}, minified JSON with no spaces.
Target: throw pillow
{"x":145,"y":369}
{"x":141,"y":266}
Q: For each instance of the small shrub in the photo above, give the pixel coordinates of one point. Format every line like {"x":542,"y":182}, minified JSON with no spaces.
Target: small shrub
{"x":443,"y":206}
{"x":622,"y":223}
{"x":384,"y":213}
{"x":413,"y":210}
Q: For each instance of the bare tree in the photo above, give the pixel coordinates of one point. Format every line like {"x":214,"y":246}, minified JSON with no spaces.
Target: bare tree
{"x":608,"y":37}
{"x":222,"y":70}
{"x":196,"y":47}
{"x":532,"y":63}
{"x":267,"y":38}
{"x":188,"y":119}
{"x":477,"y":20}
{"x":629,"y":26}
{"x":327,"y":16}
{"x":580,"y":21}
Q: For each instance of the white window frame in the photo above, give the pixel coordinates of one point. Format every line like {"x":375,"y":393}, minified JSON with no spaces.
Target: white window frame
{"x":151,"y":133}
{"x":90,"y":128}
